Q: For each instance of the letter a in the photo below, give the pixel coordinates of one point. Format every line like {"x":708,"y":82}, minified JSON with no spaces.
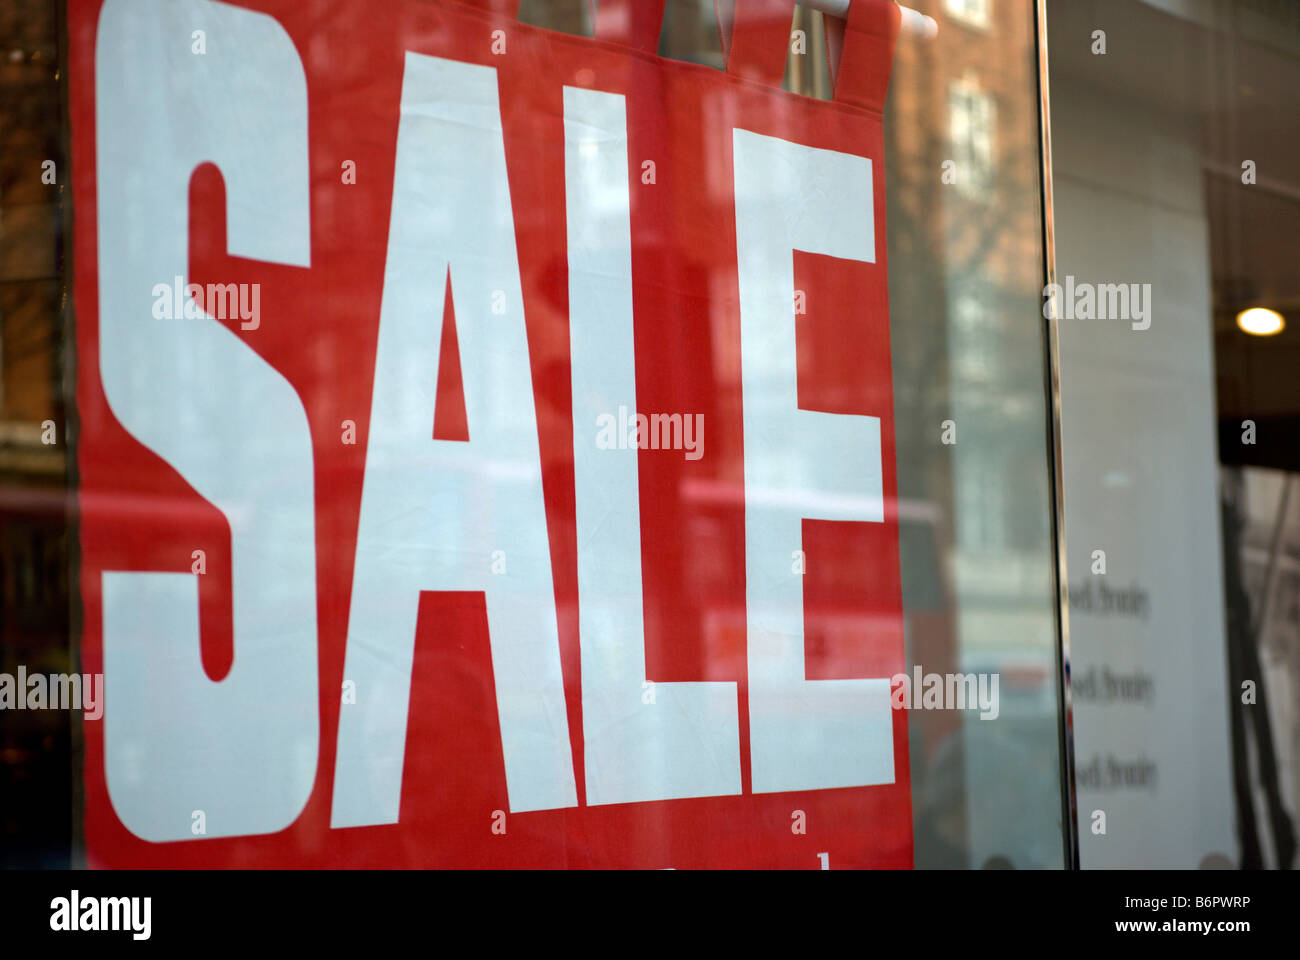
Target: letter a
{"x":427,"y":504}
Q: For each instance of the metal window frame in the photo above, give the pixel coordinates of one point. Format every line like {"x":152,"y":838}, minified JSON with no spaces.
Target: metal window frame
{"x":1052,"y":378}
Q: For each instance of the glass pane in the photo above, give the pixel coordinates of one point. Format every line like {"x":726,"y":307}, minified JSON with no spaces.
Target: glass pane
{"x":1177,"y":199}
{"x":965,"y":272}
{"x":655,"y":456}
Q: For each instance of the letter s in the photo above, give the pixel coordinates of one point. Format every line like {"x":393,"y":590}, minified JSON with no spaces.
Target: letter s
{"x":245,"y":749}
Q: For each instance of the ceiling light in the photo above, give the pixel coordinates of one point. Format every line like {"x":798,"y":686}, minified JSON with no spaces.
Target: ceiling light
{"x":1260,"y":321}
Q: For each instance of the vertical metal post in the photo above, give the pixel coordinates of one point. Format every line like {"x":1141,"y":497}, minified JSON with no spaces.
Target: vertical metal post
{"x":1069,"y":801}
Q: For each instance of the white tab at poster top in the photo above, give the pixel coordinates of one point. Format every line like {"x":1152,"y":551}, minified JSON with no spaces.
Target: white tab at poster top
{"x":913,"y":21}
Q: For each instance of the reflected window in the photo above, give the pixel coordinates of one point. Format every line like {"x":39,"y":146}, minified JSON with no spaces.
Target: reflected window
{"x":981,"y":505}
{"x":975,"y":336}
{"x":974,"y":13}
{"x":970,"y":128}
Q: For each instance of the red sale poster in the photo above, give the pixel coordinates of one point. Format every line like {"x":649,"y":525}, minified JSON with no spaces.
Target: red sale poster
{"x":486,"y":450}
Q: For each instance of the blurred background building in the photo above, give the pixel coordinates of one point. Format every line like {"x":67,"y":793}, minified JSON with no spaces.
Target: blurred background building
{"x":36,"y":781}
